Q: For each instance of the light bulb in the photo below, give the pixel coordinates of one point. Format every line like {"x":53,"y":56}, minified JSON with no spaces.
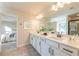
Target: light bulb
{"x":60,"y":4}
{"x":68,"y":2}
{"x":54,"y":7}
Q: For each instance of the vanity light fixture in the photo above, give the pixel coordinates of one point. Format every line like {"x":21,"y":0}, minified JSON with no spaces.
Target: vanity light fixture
{"x":55,"y":7}
{"x":59,"y":5}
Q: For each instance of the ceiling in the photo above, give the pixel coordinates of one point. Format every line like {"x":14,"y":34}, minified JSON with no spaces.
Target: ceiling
{"x":31,"y":9}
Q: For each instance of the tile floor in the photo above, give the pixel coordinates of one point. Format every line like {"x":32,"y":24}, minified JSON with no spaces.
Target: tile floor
{"x":22,"y":51}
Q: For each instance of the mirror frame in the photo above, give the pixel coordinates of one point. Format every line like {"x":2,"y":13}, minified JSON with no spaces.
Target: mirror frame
{"x":69,"y":25}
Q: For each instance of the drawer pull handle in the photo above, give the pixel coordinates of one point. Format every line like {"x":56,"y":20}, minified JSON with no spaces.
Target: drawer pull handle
{"x":68,"y":50}
{"x":51,"y":51}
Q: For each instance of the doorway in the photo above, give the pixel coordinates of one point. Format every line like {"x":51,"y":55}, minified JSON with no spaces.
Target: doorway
{"x":8,"y":33}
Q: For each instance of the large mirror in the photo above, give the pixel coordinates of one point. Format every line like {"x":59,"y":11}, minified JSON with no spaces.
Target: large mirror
{"x":73,"y":24}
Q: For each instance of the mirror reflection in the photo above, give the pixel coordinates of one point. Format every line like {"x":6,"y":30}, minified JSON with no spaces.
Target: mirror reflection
{"x":73,"y":24}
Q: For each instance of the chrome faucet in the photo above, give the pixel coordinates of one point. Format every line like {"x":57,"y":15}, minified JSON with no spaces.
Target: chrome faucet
{"x":71,"y":38}
{"x":58,"y":34}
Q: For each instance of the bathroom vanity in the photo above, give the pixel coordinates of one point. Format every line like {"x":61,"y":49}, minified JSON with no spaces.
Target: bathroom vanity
{"x":0,"y":47}
{"x":51,"y":45}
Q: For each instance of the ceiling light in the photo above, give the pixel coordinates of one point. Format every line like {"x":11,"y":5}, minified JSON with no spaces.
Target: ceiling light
{"x":39,"y":16}
{"x":68,"y":2}
{"x":54,"y":7}
{"x":60,"y":4}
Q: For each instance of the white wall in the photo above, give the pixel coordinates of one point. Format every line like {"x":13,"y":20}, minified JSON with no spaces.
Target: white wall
{"x":62,"y":20}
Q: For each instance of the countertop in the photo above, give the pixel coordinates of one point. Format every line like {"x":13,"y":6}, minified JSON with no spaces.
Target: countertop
{"x":62,"y":40}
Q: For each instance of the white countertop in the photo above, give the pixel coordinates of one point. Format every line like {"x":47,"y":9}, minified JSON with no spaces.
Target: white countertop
{"x":63,"y":40}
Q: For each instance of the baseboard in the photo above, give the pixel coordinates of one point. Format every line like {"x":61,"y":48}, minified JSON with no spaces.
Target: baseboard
{"x":22,"y":45}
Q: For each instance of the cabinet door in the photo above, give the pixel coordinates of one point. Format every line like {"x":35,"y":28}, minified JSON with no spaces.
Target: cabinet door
{"x":38,"y":43}
{"x":31,"y":39}
{"x":0,"y":46}
{"x":34,"y":41}
{"x":56,"y":52}
{"x":44,"y":49}
{"x":69,"y":50}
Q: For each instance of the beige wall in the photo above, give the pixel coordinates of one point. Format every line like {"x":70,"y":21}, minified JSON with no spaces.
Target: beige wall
{"x":22,"y":34}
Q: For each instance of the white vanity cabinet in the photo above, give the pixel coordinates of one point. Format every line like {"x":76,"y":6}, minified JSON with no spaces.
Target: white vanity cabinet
{"x":54,"y":48}
{"x":56,"y":52}
{"x":48,"y":47}
{"x":52,"y":43}
{"x":33,"y":40}
{"x":38,"y":45}
{"x":0,"y":47}
{"x":69,"y":50}
{"x":44,"y":47}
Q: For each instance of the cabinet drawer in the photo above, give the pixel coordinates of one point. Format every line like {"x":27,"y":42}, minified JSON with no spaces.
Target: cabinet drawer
{"x":69,"y":50}
{"x":52,"y":43}
{"x":57,"y":52}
